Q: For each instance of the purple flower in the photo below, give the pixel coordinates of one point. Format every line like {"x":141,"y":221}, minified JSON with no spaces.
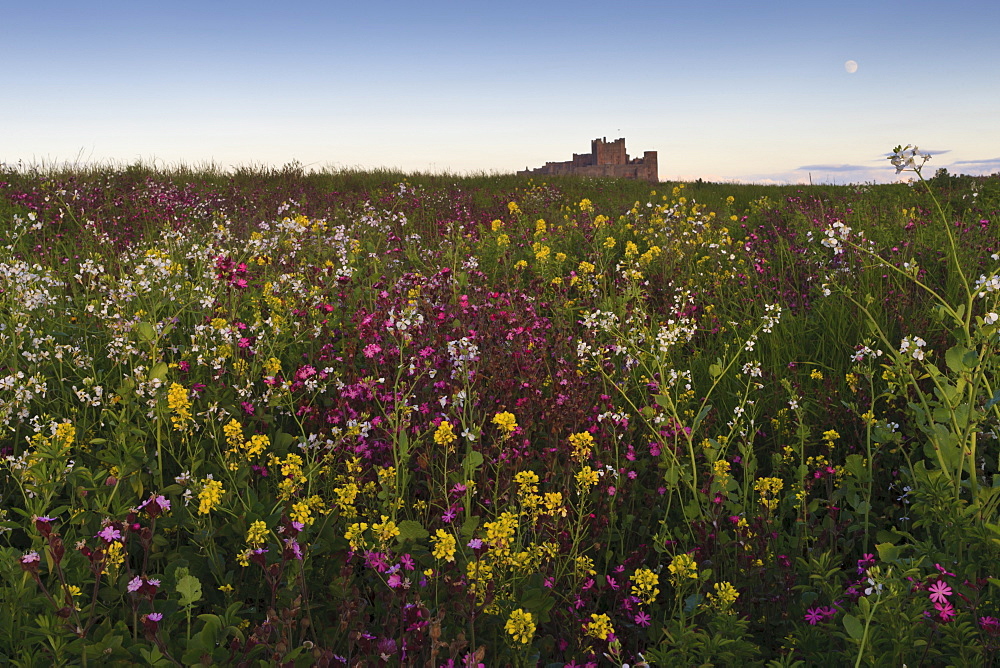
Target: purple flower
{"x":134,"y":584}
{"x":155,"y":616}
{"x":475,"y":543}
{"x":109,"y":534}
{"x":642,"y":619}
{"x":939,"y":592}
{"x":941,"y":570}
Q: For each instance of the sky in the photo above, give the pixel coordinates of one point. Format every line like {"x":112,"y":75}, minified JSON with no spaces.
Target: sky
{"x":724,"y":91}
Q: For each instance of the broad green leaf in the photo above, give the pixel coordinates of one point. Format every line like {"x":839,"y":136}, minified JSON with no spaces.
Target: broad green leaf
{"x":189,"y":587}
{"x":853,"y":626}
{"x":412,"y":530}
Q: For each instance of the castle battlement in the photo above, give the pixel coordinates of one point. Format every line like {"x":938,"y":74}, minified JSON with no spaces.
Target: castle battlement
{"x":606,"y":159}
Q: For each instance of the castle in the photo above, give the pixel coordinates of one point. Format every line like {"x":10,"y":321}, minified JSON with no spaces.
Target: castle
{"x":607,"y":159}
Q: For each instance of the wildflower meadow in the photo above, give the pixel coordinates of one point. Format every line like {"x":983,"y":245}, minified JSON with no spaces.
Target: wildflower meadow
{"x":278,"y":417}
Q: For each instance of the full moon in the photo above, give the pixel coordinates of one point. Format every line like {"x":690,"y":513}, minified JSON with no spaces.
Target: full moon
{"x":851,"y":67}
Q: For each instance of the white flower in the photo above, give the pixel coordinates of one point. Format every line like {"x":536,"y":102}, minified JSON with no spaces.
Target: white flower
{"x":990,"y":318}
{"x":906,"y":158}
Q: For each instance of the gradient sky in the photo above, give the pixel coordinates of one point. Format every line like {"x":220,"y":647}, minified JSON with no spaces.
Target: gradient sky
{"x":743,"y":91}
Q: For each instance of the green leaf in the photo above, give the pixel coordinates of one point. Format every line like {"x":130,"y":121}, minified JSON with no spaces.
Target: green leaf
{"x":888,"y":551}
{"x":469,"y":526}
{"x":412,"y":530}
{"x":715,"y":370}
{"x":189,"y":587}
{"x":159,"y":371}
{"x":146,"y":332}
{"x":853,"y":626}
{"x":473,"y":460}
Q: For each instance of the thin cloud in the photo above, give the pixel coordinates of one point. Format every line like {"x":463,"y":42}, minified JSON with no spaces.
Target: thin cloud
{"x":990,"y":161}
{"x":831,"y":168}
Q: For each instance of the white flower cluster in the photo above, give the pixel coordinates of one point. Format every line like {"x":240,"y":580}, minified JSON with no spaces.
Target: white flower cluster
{"x":914,"y":347}
{"x":836,"y":234}
{"x":986,"y":285}
{"x":463,"y":353}
{"x":907,"y":157}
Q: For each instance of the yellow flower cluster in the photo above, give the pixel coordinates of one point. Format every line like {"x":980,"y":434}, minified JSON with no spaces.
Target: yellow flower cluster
{"x":768,"y":489}
{"x":600,"y":626}
{"x":355,"y":535}
{"x":385,"y":531}
{"x":503,"y":241}
{"x":724,"y":597}
{"x":585,"y":479}
{"x":272,"y":366}
{"x":520,"y":626}
{"x":581,"y":444}
{"x":527,"y":483}
{"x":681,"y":567}
{"x":250,"y":450}
{"x":506,"y":422}
{"x":293,"y":478}
{"x":180,"y":405}
{"x":444,"y":545}
{"x":500,"y":533}
{"x":445,"y":435}
{"x":644,"y":583}
{"x":540,"y":227}
{"x":721,"y":472}
{"x":586,"y":267}
{"x":209,"y":496}
{"x":541,"y":251}
{"x":65,"y":434}
{"x":257,"y":533}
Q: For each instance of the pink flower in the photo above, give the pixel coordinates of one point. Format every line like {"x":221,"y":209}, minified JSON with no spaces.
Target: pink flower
{"x":939,"y":592}
{"x":110,"y":534}
{"x":945,"y":611}
{"x":134,"y":584}
{"x":642,"y":619}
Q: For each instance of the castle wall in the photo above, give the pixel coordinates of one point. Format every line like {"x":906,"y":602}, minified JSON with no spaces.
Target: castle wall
{"x":607,"y":160}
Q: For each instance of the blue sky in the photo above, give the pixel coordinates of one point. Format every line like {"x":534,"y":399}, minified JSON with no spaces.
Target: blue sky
{"x":743,"y":91}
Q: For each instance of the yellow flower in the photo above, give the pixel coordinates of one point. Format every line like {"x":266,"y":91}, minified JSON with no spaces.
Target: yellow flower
{"x":513,"y":208}
{"x":600,"y":626}
{"x":768,"y":489}
{"x":444,"y":545}
{"x":683,"y":566}
{"x":301,"y":512}
{"x":520,"y":264}
{"x":609,"y":242}
{"x":180,"y":405}
{"x":503,"y":241}
{"x":209,"y":496}
{"x":444,"y":435}
{"x":581,"y":443}
{"x":816,"y":374}
{"x":520,"y":626}
{"x":585,"y":479}
{"x":725,"y":595}
{"x":355,"y":535}
{"x":257,"y":533}
{"x":644,"y":585}
{"x":385,"y":530}
{"x":506,"y":422}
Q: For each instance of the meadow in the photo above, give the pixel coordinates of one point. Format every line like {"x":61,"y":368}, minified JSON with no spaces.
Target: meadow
{"x":279,"y":417}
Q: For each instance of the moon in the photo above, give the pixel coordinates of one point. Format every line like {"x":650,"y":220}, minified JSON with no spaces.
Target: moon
{"x":851,"y":67}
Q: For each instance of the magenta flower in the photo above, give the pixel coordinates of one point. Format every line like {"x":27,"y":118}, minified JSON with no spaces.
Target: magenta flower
{"x":939,"y":592}
{"x":642,"y":619}
{"x":815,"y":615}
{"x":945,"y":611}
